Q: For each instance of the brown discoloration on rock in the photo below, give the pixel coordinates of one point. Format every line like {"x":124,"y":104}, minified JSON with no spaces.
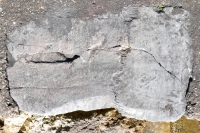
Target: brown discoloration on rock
{"x":1,"y":122}
{"x":98,"y":121}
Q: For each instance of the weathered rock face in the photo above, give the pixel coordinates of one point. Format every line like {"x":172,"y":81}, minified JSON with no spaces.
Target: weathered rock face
{"x":137,"y":61}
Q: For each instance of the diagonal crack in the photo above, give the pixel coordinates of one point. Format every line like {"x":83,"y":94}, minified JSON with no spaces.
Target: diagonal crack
{"x":159,"y":63}
{"x":118,"y":74}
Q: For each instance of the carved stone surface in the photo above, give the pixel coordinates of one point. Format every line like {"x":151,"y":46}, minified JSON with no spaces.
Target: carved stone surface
{"x":138,"y":61}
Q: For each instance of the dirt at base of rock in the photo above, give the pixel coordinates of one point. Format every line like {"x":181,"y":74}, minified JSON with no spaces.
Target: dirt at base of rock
{"x":97,"y":121}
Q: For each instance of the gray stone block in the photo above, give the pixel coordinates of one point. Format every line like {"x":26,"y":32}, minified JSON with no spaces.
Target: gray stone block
{"x":137,"y":61}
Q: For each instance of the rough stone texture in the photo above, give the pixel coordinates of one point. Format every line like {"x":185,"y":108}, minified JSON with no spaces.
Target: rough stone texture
{"x":8,"y":105}
{"x":96,"y":121}
{"x":193,"y":99}
{"x":14,"y":124}
{"x":127,"y":60}
{"x":18,"y":13}
{"x":100,"y":121}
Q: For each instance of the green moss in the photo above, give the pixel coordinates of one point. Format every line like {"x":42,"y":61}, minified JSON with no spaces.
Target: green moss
{"x":160,"y":8}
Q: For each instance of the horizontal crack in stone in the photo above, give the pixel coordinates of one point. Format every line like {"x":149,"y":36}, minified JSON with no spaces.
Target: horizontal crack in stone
{"x":53,"y":57}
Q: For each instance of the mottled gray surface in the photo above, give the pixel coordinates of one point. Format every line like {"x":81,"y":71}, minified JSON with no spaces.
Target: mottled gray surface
{"x":137,"y":61}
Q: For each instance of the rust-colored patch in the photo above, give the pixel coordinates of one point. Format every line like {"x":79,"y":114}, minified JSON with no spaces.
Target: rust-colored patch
{"x":183,"y":125}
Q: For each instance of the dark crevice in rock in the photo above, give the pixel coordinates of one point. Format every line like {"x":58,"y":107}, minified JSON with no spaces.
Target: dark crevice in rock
{"x":93,"y":1}
{"x":53,"y":57}
{"x":72,"y":59}
{"x":159,"y":64}
{"x":190,"y":105}
{"x":10,"y":59}
{"x":188,"y":87}
{"x":181,"y":7}
{"x":117,"y":46}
